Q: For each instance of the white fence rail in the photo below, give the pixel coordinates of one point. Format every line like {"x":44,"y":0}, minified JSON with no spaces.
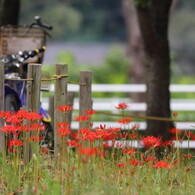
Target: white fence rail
{"x":128,"y":88}
{"x":109,"y":104}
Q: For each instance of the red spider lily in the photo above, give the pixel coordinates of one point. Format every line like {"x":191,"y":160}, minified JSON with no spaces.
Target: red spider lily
{"x":121,"y":165}
{"x":82,"y":118}
{"x":133,"y":135}
{"x":188,"y":134}
{"x":149,"y":158}
{"x":5,"y":114}
{"x":151,"y":142}
{"x":90,"y":112}
{"x":13,"y":119}
{"x":63,"y":131}
{"x":33,"y":116}
{"x":105,"y":135}
{"x":36,"y":127}
{"x":186,"y":156}
{"x":72,"y":143}
{"x":168,"y":143}
{"x":122,"y":106}
{"x":175,"y":114}
{"x":114,"y":129}
{"x":85,"y":134}
{"x":91,"y":136}
{"x":161,"y":164}
{"x":9,"y":129}
{"x":124,"y":121}
{"x":15,"y":142}
{"x":22,"y":128}
{"x":134,"y":162}
{"x":188,"y":169}
{"x":88,"y":151}
{"x":128,"y":151}
{"x":83,"y":131}
{"x":44,"y":150}
{"x":175,"y":130}
{"x":36,"y":138}
{"x":102,"y":127}
{"x":123,"y":135}
{"x":23,"y":114}
{"x":63,"y":124}
{"x":65,"y":108}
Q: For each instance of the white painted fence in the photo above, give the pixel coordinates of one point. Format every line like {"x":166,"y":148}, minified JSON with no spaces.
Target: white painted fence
{"x":109,"y":104}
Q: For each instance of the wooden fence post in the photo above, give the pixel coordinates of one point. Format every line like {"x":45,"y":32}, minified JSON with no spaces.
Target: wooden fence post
{"x":2,"y":93}
{"x":70,"y":101}
{"x":33,"y":99}
{"x":51,"y":109}
{"x":85,"y":97}
{"x":60,"y":98}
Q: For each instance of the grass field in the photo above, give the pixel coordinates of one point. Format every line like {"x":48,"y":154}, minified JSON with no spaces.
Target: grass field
{"x":88,"y":164}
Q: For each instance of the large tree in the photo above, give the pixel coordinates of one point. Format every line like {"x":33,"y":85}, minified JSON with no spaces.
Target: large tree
{"x":153,"y":19}
{"x":135,"y":49}
{"x":9,"y":12}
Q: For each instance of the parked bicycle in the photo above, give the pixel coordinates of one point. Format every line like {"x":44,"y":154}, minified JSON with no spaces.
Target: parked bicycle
{"x":13,"y":40}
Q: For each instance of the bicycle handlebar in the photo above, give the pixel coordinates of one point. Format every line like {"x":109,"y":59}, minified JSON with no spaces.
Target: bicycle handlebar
{"x":44,"y":25}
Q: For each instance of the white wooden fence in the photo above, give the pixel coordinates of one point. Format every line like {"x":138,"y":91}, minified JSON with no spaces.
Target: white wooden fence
{"x":109,"y":104}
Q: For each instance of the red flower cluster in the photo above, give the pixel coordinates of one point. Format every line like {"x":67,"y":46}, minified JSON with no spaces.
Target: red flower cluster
{"x":15,"y":142}
{"x":162,"y":164}
{"x":65,"y":108}
{"x":16,"y":127}
{"x":82,"y":118}
{"x":64,"y":129}
{"x":122,"y":106}
{"x":124,"y":121}
{"x":151,"y":142}
{"x":90,"y":112}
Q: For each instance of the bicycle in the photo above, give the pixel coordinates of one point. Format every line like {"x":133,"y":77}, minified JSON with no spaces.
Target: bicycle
{"x":12,"y":41}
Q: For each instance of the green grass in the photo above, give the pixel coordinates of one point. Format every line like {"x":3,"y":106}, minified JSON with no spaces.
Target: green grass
{"x":90,"y":168}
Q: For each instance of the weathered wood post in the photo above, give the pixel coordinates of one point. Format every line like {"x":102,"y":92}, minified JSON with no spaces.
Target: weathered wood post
{"x":33,"y":99}
{"x":85,"y":96}
{"x":70,"y":101}
{"x":2,"y":137}
{"x":60,"y":98}
{"x":51,"y":109}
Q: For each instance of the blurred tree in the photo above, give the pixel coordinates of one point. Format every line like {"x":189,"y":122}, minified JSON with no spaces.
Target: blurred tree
{"x":101,"y":19}
{"x":65,"y":19}
{"x":135,"y":48}
{"x":153,"y":19}
{"x":9,"y":12}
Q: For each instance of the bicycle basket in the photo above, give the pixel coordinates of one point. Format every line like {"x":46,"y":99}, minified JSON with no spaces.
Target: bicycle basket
{"x":14,"y":39}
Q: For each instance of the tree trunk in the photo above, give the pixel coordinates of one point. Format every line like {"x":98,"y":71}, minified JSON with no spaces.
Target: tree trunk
{"x":9,"y":12}
{"x":135,"y":48}
{"x":153,"y":19}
